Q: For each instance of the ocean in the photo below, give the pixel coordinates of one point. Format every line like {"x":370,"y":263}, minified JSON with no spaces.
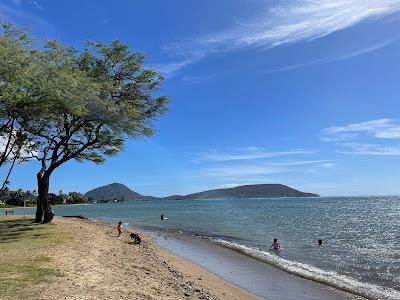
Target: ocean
{"x":361,"y":235}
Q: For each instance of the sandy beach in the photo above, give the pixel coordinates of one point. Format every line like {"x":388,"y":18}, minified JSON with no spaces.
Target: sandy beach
{"x":74,"y":258}
{"x":92,"y":262}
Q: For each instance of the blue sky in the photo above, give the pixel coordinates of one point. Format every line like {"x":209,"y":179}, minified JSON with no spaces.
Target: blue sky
{"x":303,"y":93}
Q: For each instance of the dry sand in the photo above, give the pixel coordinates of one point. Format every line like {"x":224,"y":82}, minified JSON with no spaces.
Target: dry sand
{"x":96,"y":264}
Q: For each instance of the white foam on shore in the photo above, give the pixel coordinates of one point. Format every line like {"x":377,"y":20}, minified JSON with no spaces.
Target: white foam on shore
{"x":333,"y":279}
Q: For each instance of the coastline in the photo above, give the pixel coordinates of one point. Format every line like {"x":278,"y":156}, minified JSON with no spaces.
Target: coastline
{"x":92,"y":262}
{"x":192,"y":265}
{"x":246,"y":272}
{"x":4,"y":207}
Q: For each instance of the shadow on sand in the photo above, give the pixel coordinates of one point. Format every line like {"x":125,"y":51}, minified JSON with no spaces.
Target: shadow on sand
{"x":13,"y":230}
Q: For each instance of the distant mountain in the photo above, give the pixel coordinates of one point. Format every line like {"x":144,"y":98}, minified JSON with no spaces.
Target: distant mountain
{"x":115,"y":191}
{"x":247,"y":191}
{"x":119,"y":191}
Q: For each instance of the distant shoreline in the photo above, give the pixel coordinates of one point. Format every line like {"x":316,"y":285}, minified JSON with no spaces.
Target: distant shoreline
{"x":256,"y":191}
{"x":34,"y":206}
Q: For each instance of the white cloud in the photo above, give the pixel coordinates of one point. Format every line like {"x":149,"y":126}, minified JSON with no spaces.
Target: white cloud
{"x":171,"y":68}
{"x":369,"y":149}
{"x":22,"y":19}
{"x":244,"y":170}
{"x":365,"y":50}
{"x":335,"y":58}
{"x":351,"y":138}
{"x":307,"y":20}
{"x":255,"y":170}
{"x":30,"y":2}
{"x":300,"y":163}
{"x":231,"y":185}
{"x":380,"y":128}
{"x":249,"y":153}
{"x":287,"y":23}
{"x":328,"y":165}
{"x":36,"y":4}
{"x":201,"y":78}
{"x":24,"y":152}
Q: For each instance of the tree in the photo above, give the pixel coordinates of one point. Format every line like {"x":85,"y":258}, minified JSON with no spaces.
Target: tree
{"x":60,"y":104}
{"x":17,"y":198}
{"x":17,"y":71}
{"x":76,"y":197}
{"x":95,"y":100}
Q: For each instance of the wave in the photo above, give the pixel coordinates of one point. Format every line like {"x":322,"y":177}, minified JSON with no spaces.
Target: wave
{"x":330,"y":278}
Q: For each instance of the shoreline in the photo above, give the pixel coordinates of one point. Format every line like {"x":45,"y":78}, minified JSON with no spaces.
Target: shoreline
{"x":253,"y":275}
{"x":186,"y":244}
{"x":233,"y":268}
{"x":94,"y":263}
{"x":34,"y":206}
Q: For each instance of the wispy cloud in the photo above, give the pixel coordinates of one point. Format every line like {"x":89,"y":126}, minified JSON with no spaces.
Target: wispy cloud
{"x":254,"y":164}
{"x":351,"y":138}
{"x":349,"y":55}
{"x":244,"y":170}
{"x":365,"y":50}
{"x":33,"y":3}
{"x":369,"y":149}
{"x":328,"y":165}
{"x":260,"y":169}
{"x":323,"y":162}
{"x":19,"y":16}
{"x":201,"y":78}
{"x":380,"y":128}
{"x":288,"y":23}
{"x":231,"y":185}
{"x":171,"y":68}
{"x":249,"y":153}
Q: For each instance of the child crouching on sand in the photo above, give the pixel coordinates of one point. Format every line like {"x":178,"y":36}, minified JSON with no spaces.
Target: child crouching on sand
{"x":120,"y":228}
{"x":136,"y":238}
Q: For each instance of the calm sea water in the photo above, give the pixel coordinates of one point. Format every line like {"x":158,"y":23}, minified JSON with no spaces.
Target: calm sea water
{"x":361,"y":235}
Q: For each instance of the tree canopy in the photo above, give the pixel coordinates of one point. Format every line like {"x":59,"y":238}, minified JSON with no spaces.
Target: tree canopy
{"x":16,"y":76}
{"x":75,"y":104}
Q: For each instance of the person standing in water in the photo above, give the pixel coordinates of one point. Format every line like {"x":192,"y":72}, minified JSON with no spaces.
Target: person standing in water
{"x":275,"y":245}
{"x":162,"y":217}
{"x":120,"y":228}
{"x":320,"y":242}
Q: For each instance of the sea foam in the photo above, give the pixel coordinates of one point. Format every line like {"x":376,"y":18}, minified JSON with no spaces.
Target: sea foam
{"x":330,"y":278}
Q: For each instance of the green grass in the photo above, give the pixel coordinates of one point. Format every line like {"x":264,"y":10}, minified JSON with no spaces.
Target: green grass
{"x":24,"y":260}
{"x":12,"y":206}
{"x":5,"y":206}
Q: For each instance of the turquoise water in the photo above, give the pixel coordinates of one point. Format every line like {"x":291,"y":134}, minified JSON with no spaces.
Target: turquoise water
{"x":361,"y":235}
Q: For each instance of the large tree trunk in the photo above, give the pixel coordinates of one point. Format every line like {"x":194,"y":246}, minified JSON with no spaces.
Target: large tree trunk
{"x":43,"y":211}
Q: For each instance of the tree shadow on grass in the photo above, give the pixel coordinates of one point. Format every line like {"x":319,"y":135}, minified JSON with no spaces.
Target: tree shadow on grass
{"x":18,"y":229}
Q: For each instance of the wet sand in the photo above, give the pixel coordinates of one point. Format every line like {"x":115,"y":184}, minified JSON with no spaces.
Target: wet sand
{"x":257,"y":277}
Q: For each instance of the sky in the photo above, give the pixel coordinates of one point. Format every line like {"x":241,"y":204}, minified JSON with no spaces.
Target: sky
{"x":298,"y":92}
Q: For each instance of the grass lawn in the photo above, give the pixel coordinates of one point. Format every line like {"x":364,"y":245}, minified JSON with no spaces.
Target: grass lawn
{"x":24,"y":262}
{"x":12,"y":206}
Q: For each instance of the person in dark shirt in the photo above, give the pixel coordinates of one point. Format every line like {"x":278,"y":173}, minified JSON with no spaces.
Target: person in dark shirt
{"x":275,"y":245}
{"x":136,"y":238}
{"x":120,"y":228}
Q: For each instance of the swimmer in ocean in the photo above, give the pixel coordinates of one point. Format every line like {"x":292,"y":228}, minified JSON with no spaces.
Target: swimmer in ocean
{"x":275,"y":245}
